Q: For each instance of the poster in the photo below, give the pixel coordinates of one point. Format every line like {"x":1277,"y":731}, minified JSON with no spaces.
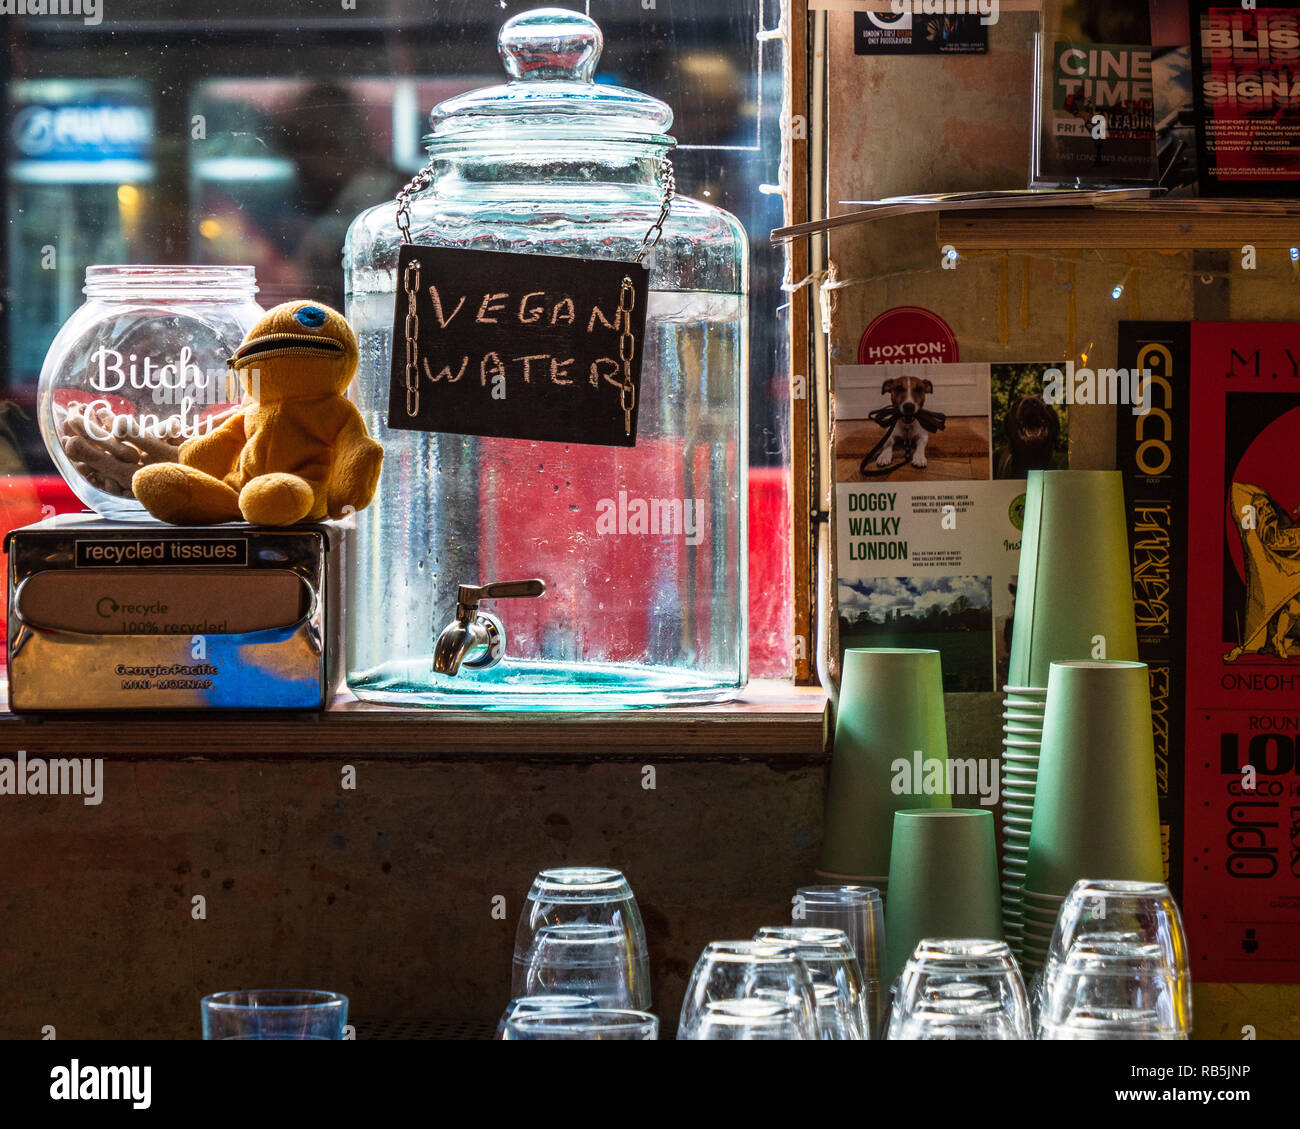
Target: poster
{"x":931,"y":565}
{"x":1241,"y":882}
{"x":908,"y":33}
{"x":912,"y":423}
{"x":1151,"y":450}
{"x":1246,"y":60}
{"x":1030,"y":429}
{"x":930,"y":464}
{"x":1173,"y":98}
{"x":1094,"y":98}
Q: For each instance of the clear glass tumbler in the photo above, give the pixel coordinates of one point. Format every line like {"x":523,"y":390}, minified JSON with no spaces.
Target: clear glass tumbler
{"x":960,"y":988}
{"x":275,"y":1014}
{"x":837,"y":980}
{"x":749,"y":990}
{"x":582,"y":960}
{"x":583,"y":895}
{"x":585,"y":1026}
{"x":860,"y":913}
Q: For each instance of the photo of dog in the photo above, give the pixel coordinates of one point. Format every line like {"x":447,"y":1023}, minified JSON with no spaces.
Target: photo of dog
{"x":907,"y":395}
{"x":1031,"y":433}
{"x":911,"y":423}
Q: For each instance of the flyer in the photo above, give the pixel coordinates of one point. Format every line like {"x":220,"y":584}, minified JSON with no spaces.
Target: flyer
{"x":927,"y":527}
{"x":1151,"y":450}
{"x":931,"y":564}
{"x":1241,"y":882}
{"x":1094,"y":99}
{"x":1246,"y":59}
{"x":908,"y":33}
{"x":914,"y":422}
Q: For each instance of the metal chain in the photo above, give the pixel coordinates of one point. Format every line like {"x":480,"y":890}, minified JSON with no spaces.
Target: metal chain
{"x":667,"y":177}
{"x":626,"y":349}
{"x":411,"y":283}
{"x":669,"y":180}
{"x":626,"y":298}
{"x":418,"y":183}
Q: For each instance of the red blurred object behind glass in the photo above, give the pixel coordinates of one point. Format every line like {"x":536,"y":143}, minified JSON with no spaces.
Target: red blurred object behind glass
{"x":24,"y":499}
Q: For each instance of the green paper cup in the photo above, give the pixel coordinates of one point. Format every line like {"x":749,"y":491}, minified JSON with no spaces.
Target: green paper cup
{"x":943,"y":880}
{"x":890,"y":713}
{"x":1094,"y":808}
{"x":1075,"y":583}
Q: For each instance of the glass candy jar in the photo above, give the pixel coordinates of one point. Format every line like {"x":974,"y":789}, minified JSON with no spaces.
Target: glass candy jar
{"x":641,"y":551}
{"x":139,"y":368}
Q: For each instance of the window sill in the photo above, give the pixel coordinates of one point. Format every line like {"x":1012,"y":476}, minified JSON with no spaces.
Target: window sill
{"x":773,"y":721}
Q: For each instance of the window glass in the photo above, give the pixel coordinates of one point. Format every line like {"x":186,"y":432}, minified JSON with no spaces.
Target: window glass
{"x":248,"y":133}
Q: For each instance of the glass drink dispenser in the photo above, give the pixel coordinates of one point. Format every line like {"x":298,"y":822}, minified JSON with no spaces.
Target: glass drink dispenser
{"x":508,"y":573}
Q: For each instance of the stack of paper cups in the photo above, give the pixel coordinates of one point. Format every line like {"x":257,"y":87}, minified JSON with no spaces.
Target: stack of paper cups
{"x":1074,"y":601}
{"x":1022,"y":735}
{"x":890,"y":723}
{"x":1095,"y":809}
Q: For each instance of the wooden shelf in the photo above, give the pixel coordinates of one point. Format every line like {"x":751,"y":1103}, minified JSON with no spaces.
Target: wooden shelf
{"x":774,"y":721}
{"x":1155,"y":226}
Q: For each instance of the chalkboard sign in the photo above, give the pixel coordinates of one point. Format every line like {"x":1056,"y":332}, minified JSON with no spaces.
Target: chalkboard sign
{"x":518,"y":346}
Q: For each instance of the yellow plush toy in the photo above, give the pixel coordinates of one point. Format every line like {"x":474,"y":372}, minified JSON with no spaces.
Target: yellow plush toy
{"x":296,"y":450}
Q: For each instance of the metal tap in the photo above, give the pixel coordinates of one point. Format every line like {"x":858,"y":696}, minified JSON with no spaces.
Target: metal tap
{"x":477,"y":639}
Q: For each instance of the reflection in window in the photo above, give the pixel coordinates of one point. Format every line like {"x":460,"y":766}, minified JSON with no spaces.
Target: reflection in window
{"x":254,"y":135}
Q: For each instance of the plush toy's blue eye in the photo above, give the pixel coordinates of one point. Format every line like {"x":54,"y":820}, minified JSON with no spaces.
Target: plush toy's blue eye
{"x":313,"y":317}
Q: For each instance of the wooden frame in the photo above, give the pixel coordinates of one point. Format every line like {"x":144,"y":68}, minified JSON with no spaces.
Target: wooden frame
{"x":797,"y":179}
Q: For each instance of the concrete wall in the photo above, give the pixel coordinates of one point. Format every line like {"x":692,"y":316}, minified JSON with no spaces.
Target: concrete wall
{"x":384,"y":893}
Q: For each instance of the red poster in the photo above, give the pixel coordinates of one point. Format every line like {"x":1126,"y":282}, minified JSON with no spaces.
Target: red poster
{"x":1241,"y":884}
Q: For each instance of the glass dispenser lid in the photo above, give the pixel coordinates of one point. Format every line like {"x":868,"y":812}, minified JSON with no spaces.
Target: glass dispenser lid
{"x":551,"y":56}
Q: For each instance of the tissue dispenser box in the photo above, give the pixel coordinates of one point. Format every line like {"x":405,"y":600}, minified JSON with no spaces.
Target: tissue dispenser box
{"x":110,"y":615}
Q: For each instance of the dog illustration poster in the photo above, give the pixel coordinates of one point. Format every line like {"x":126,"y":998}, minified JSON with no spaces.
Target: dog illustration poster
{"x":926,"y":565}
{"x":1241,"y":882}
{"x":1029,"y":431}
{"x":912,"y":423}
